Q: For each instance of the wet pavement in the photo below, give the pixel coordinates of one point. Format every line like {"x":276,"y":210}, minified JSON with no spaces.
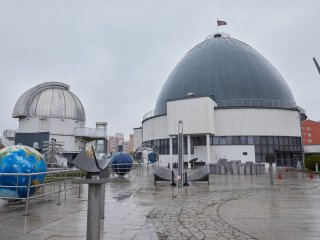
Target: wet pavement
{"x":231,"y":207}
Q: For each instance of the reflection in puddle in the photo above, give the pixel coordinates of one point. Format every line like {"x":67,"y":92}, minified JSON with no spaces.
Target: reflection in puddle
{"x":121,"y":197}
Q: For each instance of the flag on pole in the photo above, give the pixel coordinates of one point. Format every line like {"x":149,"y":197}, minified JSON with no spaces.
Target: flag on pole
{"x":220,"y":23}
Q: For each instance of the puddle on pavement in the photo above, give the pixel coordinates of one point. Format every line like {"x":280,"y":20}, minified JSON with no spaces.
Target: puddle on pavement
{"x":122,"y":197}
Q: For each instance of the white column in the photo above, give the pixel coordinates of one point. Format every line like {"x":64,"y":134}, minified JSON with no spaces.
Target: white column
{"x":170,"y":147}
{"x":208,"y":148}
{"x":189,"y":149}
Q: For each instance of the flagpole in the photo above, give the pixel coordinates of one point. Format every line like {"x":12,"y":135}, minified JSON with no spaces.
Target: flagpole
{"x":217,"y":26}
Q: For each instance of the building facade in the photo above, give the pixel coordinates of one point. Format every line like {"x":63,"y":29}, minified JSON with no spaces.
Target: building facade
{"x":311,"y":136}
{"x":116,"y":143}
{"x":233,"y":103}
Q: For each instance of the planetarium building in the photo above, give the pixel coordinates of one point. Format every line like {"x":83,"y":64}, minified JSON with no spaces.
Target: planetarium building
{"x":233,"y":103}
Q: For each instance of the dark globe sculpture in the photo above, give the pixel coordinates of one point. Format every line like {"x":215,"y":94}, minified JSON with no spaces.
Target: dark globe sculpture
{"x":121,"y":163}
{"x":152,"y":157}
{"x":20,"y":159}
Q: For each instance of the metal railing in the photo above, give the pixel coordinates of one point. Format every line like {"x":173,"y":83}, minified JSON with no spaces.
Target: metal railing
{"x":55,"y":183}
{"x":132,"y":169}
{"x":265,"y":103}
{"x":5,"y":142}
{"x":90,"y":132}
{"x":8,"y":133}
{"x":251,"y":103}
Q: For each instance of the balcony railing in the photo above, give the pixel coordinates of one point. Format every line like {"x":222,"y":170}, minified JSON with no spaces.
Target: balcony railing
{"x":245,"y":103}
{"x":94,"y":133}
{"x":5,"y":142}
{"x":8,"y":133}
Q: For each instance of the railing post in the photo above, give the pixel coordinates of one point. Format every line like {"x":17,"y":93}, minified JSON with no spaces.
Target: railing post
{"x":17,"y":185}
{"x":59,"y":189}
{"x":65,"y":185}
{"x":28,"y":195}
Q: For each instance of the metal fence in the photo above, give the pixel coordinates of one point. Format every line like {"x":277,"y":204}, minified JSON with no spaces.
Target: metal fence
{"x":55,"y":183}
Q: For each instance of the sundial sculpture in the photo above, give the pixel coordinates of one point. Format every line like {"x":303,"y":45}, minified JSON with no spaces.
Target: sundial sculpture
{"x":88,"y":162}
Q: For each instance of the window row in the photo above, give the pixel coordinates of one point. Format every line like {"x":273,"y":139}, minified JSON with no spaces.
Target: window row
{"x":263,"y":144}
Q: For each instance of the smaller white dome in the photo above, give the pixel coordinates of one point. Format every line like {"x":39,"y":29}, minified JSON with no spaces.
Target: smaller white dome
{"x":50,"y":99}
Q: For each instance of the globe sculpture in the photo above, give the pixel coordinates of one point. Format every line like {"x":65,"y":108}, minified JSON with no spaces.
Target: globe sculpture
{"x":152,"y":157}
{"x":121,"y":163}
{"x":20,"y":159}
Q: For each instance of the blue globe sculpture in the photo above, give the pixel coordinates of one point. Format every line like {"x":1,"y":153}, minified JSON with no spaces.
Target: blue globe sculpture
{"x":121,"y":163}
{"x":152,"y":157}
{"x":20,"y":159}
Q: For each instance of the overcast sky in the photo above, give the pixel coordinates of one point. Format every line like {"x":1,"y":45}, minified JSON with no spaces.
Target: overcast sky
{"x":116,"y":55}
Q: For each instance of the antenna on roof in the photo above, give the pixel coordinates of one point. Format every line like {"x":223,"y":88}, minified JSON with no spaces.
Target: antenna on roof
{"x":317,"y":65}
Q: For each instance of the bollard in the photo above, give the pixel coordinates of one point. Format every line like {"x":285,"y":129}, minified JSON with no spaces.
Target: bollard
{"x":186,"y":179}
{"x":317,"y":169}
{"x":279,"y":176}
{"x":180,"y":155}
{"x":271,"y":174}
{"x":172,"y":179}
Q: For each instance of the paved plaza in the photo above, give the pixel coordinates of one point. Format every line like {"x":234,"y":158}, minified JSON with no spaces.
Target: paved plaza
{"x":230,"y":207}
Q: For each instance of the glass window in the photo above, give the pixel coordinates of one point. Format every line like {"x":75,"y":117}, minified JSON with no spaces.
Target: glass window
{"x":290,"y":140}
{"x":229,"y":140}
{"x":250,"y":140}
{"x":270,"y":141}
{"x":174,"y":146}
{"x":258,"y":149}
{"x":199,"y":141}
{"x":216,"y":140}
{"x":258,"y":157}
{"x":295,"y":141}
{"x":263,"y":140}
{"x":299,"y":141}
{"x":236,"y":140}
{"x":286,"y":140}
{"x":264,"y":149}
{"x":281,"y":141}
{"x":223,"y":140}
{"x":271,"y":149}
{"x":263,"y":157}
{"x":243,"y":140}
{"x":256,"y":140}
{"x":276,"y":140}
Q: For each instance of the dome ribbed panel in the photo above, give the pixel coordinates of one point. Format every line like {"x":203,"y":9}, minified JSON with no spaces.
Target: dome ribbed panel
{"x":230,"y":70}
{"x":52,"y":99}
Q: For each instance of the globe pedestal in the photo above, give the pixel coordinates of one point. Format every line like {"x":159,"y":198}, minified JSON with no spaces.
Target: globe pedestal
{"x":95,"y":212}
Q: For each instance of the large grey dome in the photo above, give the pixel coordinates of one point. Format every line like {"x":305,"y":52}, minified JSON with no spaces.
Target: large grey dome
{"x":232,"y":72}
{"x":50,"y":99}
